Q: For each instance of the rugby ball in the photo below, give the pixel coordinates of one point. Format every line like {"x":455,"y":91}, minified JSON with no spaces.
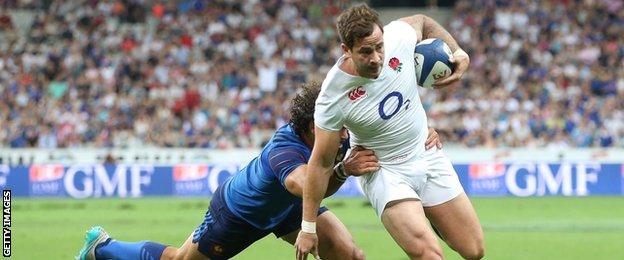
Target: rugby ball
{"x":431,"y":59}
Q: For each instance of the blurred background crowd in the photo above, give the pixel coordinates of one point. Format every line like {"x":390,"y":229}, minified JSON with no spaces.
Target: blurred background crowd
{"x":220,"y":74}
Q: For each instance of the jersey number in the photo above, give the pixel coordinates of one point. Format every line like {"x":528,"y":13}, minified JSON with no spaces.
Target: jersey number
{"x":392,"y":95}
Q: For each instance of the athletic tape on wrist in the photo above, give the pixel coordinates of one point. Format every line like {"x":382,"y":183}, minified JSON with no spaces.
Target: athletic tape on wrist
{"x":308,"y":227}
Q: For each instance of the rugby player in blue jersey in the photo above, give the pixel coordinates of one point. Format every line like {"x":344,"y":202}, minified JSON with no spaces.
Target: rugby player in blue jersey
{"x":263,"y":198}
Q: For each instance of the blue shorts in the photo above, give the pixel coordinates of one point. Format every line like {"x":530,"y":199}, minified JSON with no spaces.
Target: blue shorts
{"x":222,"y":235}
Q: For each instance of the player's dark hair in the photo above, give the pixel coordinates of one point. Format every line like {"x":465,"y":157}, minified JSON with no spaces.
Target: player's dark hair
{"x":302,"y":107}
{"x":357,"y":22}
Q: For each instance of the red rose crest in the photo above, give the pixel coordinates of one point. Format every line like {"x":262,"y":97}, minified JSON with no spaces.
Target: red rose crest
{"x":395,"y":64}
{"x":357,"y":93}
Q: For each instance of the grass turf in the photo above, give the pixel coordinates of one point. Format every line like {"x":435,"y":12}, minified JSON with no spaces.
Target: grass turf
{"x":515,"y":228}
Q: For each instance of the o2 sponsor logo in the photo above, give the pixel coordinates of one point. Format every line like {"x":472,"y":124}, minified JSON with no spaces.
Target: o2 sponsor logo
{"x":391,"y":104}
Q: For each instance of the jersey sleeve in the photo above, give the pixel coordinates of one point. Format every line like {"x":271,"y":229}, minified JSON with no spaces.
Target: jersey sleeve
{"x":400,"y":31}
{"x":284,"y":160}
{"x":400,"y":37}
{"x":328,"y":114}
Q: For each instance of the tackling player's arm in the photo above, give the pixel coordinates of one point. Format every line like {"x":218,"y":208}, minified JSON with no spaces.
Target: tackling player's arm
{"x":289,"y":165}
{"x":296,"y":180}
{"x":426,"y":28}
{"x":359,"y":162}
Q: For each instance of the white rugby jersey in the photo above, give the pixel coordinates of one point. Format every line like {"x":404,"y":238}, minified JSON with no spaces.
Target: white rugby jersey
{"x":383,"y":114}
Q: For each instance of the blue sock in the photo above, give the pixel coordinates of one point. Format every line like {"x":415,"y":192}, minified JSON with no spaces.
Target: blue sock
{"x":144,"y":250}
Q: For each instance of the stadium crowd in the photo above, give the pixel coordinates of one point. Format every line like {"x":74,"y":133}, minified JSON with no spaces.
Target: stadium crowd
{"x":217,"y":74}
{"x":543,"y":73}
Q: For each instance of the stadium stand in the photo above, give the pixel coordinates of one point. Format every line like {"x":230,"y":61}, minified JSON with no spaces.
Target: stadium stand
{"x":219,"y":75}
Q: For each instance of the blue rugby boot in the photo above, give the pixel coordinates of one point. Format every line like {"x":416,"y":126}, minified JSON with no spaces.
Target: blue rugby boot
{"x":95,"y":236}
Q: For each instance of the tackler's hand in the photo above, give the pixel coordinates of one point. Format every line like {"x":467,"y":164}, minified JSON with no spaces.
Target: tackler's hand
{"x":360,"y":161}
{"x":433,"y":139}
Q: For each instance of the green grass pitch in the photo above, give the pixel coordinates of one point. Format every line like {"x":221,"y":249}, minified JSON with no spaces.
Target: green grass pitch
{"x":515,"y":228}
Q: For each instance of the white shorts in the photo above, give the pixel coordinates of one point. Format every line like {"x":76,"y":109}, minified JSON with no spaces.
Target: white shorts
{"x":430,"y":179}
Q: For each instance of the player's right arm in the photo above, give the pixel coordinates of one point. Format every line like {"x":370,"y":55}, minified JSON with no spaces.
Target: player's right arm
{"x":319,"y":170}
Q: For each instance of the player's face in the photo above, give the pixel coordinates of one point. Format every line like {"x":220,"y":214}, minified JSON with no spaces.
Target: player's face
{"x":368,"y":54}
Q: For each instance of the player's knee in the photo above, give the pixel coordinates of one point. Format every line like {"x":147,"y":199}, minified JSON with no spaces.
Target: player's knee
{"x":475,"y":251}
{"x":358,"y":254}
{"x":425,"y":253}
{"x":423,"y":250}
{"x":351,"y":252}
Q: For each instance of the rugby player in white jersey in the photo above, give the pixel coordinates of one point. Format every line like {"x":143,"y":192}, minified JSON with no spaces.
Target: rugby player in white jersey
{"x":372,"y":91}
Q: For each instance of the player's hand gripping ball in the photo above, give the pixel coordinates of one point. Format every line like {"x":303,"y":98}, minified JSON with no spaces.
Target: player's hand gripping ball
{"x":431,"y":59}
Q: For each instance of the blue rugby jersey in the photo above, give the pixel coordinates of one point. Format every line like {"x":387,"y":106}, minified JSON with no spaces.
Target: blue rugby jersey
{"x":257,"y":192}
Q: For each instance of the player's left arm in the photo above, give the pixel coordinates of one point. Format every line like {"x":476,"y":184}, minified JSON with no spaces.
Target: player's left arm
{"x":425,"y":28}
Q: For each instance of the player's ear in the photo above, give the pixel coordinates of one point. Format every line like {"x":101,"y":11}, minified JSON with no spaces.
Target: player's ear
{"x":311,"y":126}
{"x":345,"y":49}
